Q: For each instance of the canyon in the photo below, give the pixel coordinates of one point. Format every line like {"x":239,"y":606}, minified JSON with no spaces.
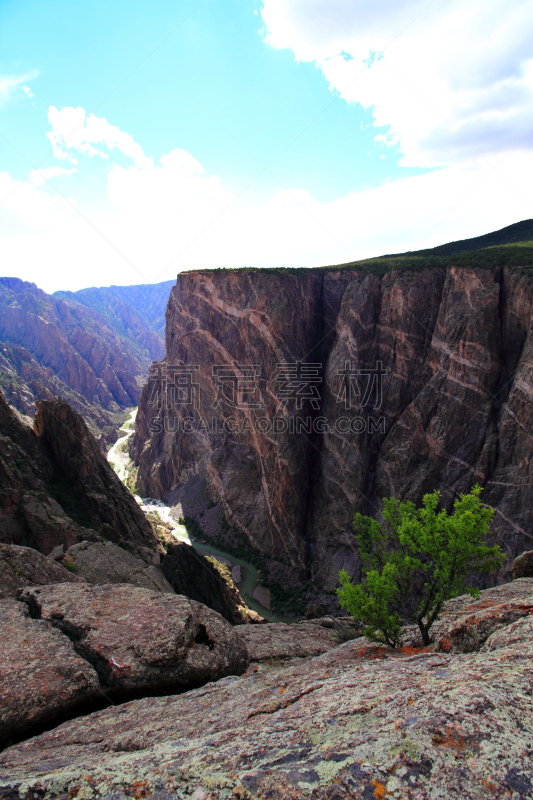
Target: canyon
{"x":288,"y":400}
{"x":300,"y":397}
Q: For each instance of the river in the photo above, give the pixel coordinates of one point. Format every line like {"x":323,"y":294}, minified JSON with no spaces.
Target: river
{"x":249,"y":577}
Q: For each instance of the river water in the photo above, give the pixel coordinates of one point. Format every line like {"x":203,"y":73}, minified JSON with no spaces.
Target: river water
{"x":247,"y":578}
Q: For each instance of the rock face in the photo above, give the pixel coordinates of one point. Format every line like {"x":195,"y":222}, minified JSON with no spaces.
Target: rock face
{"x":359,"y":721}
{"x":41,"y":676}
{"x":57,"y":488}
{"x":23,"y":566}
{"x":425,"y":382}
{"x":104,"y":562}
{"x":211,"y":320}
{"x":467,"y":624}
{"x":279,"y":640}
{"x":140,"y":641}
{"x":189,"y":573}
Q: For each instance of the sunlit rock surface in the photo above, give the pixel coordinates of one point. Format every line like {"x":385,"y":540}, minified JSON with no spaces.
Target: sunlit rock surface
{"x":359,"y":721}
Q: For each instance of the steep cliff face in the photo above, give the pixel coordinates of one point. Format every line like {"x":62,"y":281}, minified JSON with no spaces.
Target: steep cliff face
{"x":424,"y":381}
{"x":214,"y":321}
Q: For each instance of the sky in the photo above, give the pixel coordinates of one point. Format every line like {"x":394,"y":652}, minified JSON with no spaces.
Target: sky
{"x":139,"y":140}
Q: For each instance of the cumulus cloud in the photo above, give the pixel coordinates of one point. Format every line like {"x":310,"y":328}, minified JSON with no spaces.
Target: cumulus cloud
{"x":453,"y":80}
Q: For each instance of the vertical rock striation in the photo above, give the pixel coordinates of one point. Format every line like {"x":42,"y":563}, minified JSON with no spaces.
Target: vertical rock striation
{"x":426,"y":382}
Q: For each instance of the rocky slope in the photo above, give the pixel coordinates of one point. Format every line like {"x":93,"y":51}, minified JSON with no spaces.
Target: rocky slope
{"x":60,"y":497}
{"x":56,"y":487}
{"x":359,"y":721}
{"x":52,"y":347}
{"x":422,"y":379}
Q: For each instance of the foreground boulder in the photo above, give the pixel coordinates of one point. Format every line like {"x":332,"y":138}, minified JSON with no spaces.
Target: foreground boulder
{"x":23,"y":566}
{"x":41,"y":675}
{"x":466,"y":624}
{"x":278,"y":640}
{"x":141,"y":641}
{"x":105,"y":562}
{"x":523,"y":565}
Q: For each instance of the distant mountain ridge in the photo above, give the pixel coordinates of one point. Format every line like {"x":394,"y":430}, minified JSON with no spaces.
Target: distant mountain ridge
{"x":54,"y":345}
{"x":131,"y":310}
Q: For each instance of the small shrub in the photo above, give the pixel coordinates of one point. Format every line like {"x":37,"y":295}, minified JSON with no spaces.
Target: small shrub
{"x":416,"y":560}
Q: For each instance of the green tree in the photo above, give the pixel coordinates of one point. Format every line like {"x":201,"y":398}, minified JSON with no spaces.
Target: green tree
{"x":414,"y":561}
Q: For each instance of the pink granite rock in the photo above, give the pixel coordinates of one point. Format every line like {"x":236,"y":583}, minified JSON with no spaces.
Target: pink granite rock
{"x":42,"y":678}
{"x":138,"y":640}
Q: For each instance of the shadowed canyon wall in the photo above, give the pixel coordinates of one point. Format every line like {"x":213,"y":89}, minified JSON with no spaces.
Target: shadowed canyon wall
{"x":392,"y":384}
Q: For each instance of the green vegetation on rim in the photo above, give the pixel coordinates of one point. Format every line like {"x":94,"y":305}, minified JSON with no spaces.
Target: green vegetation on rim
{"x":505,"y":255}
{"x":509,"y":247}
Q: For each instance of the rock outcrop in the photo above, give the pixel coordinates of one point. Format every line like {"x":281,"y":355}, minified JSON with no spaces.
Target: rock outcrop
{"x":304,"y":396}
{"x":360,"y":721}
{"x":523,"y":565}
{"x":106,"y":501}
{"x":466,"y":624}
{"x":57,"y":488}
{"x":277,"y":640}
{"x":42,"y":678}
{"x":105,"y":562}
{"x":23,"y":566}
{"x":140,"y":641}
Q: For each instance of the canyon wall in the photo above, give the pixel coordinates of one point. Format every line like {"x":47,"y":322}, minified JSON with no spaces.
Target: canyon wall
{"x":303,"y":396}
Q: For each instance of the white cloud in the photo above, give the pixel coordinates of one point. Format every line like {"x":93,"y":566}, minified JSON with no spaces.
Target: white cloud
{"x":10,"y":84}
{"x":72,"y":130}
{"x":455,"y":80}
{"x":155,"y":219}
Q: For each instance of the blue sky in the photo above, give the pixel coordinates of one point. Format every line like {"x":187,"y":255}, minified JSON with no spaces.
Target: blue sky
{"x":212,"y":87}
{"x":236,"y":132}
